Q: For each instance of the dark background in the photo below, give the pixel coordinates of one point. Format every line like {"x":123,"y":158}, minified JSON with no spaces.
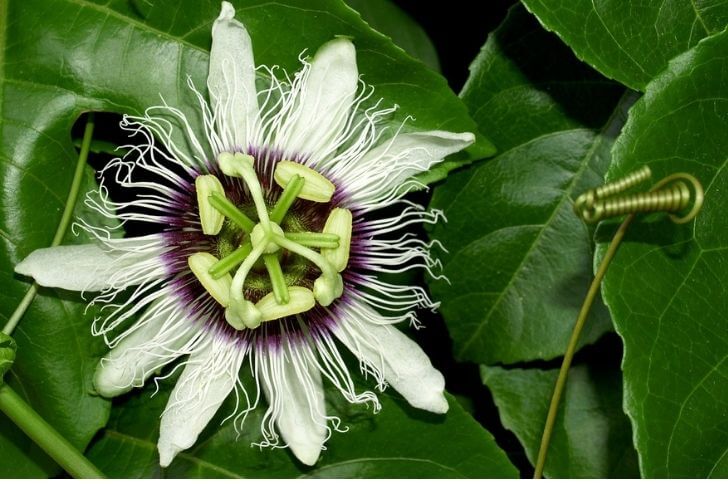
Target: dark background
{"x":457,"y":29}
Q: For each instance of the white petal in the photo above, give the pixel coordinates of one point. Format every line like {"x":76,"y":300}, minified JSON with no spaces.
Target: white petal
{"x":73,"y":267}
{"x":402,"y":362}
{"x":296,"y":394}
{"x":231,"y":77}
{"x":207,"y":379}
{"x":325,"y":101}
{"x":388,"y":165}
{"x":89,"y":267}
{"x":162,"y":331}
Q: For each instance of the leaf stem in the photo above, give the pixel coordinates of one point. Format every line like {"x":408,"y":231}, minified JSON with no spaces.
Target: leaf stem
{"x":571,"y":348}
{"x":48,"y":438}
{"x":62,"y":225}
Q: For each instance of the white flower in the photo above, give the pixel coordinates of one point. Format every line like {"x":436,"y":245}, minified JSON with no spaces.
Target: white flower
{"x":295,"y":174}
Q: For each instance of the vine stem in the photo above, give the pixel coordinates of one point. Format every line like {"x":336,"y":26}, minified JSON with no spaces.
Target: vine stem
{"x":11,"y":404}
{"x":571,"y":348}
{"x":62,"y":225}
{"x":48,"y":438}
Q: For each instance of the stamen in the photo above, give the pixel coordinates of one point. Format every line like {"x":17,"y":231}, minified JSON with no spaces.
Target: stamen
{"x":227,"y":208}
{"x":339,"y":223}
{"x":316,"y":188}
{"x":301,"y":300}
{"x":210,"y":218}
{"x":227,"y":263}
{"x":278,"y":281}
{"x":314,"y":239}
{"x":290,"y":192}
{"x":200,"y":264}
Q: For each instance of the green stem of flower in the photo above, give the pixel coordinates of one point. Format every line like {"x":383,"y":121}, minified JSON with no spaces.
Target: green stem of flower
{"x":314,"y":239}
{"x":63,"y":224}
{"x":294,"y":187}
{"x":571,"y":348}
{"x":228,"y":208}
{"x":53,"y":443}
{"x":278,"y":281}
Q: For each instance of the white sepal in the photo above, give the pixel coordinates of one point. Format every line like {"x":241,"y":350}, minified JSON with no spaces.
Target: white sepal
{"x":400,"y":360}
{"x":295,"y":395}
{"x":208,"y":377}
{"x":154,"y":341}
{"x":231,"y":79}
{"x":324,"y":102}
{"x":382,"y":172}
{"x":90,"y":267}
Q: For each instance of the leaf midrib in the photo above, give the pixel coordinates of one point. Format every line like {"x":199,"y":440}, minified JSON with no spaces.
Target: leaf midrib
{"x":598,"y":140}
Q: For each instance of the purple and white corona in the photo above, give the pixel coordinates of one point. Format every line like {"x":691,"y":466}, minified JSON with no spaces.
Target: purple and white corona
{"x":270,"y":249}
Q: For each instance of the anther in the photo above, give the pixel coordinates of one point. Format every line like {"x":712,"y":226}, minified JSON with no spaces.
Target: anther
{"x":219,"y":289}
{"x":210,"y":218}
{"x":326,"y":289}
{"x":301,"y":300}
{"x":338,"y":223}
{"x":316,"y":187}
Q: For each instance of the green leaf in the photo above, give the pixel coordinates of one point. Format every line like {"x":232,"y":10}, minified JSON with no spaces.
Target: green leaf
{"x":666,"y":288}
{"x":630,"y":42}
{"x":392,"y":21}
{"x":592,"y":437}
{"x":398,"y":442}
{"x":519,"y":260}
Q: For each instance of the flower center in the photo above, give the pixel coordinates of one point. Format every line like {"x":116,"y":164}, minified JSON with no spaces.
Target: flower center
{"x":244,"y":243}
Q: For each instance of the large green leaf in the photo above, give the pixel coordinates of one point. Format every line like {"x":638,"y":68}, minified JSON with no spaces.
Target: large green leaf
{"x":666,"y":288}
{"x":630,"y":41}
{"x":399,"y":442}
{"x":389,"y":19}
{"x":592,"y":437}
{"x":519,"y":259}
